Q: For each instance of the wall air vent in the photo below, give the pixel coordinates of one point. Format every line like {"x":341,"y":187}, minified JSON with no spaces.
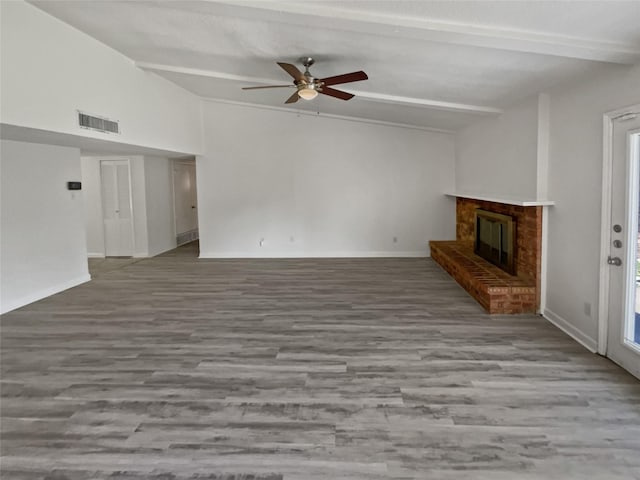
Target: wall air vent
{"x":99,"y":124}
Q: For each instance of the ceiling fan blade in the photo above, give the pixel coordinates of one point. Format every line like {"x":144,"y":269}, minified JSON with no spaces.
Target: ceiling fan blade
{"x":268,"y":86}
{"x":346,"y":78}
{"x":332,"y":92}
{"x":292,"y":70}
{"x":293,"y":98}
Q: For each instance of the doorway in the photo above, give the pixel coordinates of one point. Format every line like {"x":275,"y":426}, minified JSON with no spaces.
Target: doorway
{"x":185,"y":198}
{"x":117,"y":209}
{"x":620,"y":324}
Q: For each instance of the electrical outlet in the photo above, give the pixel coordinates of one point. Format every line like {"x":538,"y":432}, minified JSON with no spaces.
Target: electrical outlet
{"x":262,"y":242}
{"x":587,"y":309}
{"x":395,"y":239}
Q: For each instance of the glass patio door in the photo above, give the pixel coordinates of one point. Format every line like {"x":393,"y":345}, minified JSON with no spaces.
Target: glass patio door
{"x":623,"y":331}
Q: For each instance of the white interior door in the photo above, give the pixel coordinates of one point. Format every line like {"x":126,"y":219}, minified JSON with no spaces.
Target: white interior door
{"x":623,"y":326}
{"x":116,"y":208}
{"x":185,"y":198}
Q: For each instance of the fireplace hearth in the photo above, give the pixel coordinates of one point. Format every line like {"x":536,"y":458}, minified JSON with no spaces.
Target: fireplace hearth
{"x":498,"y":290}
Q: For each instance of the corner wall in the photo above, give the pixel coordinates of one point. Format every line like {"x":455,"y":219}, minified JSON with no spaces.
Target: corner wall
{"x":569,"y":168}
{"x":575,"y":183}
{"x":42,"y":247}
{"x":317,"y":187}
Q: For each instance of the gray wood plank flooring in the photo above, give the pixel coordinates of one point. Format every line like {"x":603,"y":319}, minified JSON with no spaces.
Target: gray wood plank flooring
{"x":174,"y":368}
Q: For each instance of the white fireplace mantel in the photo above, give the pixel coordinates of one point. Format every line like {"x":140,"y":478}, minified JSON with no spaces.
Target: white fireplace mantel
{"x":506,"y":200}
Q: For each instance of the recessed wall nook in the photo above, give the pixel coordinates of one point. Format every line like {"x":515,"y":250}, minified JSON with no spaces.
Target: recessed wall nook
{"x":507,"y":280}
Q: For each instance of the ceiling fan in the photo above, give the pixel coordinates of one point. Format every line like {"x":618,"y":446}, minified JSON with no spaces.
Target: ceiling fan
{"x":308,"y":87}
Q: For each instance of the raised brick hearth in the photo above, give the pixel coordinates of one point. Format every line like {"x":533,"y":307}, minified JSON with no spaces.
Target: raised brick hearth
{"x":496,"y":290}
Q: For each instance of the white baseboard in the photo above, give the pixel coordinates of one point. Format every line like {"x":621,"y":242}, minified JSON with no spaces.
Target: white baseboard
{"x":396,"y":254}
{"x":7,"y":306}
{"x":585,"y":340}
{"x":95,"y":255}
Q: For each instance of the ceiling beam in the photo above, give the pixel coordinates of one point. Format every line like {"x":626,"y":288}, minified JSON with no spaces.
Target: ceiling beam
{"x":474,"y":35}
{"x":426,"y":103}
{"x":370,"y":96}
{"x":158,"y":67}
{"x":313,"y":113}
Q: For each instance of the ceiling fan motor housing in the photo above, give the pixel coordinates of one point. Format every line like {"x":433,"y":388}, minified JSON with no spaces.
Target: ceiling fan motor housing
{"x":307,"y":61}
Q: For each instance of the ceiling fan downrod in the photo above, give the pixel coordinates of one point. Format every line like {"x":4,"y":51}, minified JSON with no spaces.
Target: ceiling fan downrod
{"x":306,"y":63}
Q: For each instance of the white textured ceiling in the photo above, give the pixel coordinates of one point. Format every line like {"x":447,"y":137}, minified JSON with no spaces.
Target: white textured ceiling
{"x":430,"y":64}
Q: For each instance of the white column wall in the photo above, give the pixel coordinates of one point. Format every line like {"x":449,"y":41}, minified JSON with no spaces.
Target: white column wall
{"x":92,"y":193}
{"x":497,"y":156}
{"x":139,"y":202}
{"x":160,"y":216}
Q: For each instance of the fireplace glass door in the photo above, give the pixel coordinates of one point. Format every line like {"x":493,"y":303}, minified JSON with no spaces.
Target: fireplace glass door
{"x":495,"y":239}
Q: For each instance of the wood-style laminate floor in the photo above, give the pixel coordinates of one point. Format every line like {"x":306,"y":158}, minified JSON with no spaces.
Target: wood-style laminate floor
{"x":175,"y":368}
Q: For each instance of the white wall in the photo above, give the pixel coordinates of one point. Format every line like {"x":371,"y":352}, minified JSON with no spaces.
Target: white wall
{"x":92,"y":193}
{"x":139,"y":204}
{"x":316,"y":186}
{"x":49,"y":70}
{"x":575,"y":183}
{"x":151,"y":198}
{"x":42,"y":247}
{"x":160,"y":220}
{"x":498,"y":156}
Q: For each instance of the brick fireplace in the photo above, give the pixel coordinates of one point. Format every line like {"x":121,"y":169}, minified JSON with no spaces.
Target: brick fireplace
{"x":496,"y":290}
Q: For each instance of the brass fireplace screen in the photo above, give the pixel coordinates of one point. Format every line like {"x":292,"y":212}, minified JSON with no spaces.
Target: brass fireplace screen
{"x":495,"y":239}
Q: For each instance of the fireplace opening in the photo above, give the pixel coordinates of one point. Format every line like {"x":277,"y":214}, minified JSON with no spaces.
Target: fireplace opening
{"x":495,"y":239}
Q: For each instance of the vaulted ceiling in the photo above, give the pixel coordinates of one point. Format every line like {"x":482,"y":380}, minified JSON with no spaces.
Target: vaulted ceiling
{"x":431,"y":64}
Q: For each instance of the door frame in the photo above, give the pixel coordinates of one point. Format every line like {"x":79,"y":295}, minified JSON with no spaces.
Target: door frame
{"x":605,"y":221}
{"x":183,"y":161}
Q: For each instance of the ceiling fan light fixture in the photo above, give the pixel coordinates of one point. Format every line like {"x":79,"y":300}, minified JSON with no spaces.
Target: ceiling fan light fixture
{"x":307,"y":93}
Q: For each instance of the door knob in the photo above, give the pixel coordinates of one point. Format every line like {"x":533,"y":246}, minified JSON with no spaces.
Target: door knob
{"x":614,"y":261}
